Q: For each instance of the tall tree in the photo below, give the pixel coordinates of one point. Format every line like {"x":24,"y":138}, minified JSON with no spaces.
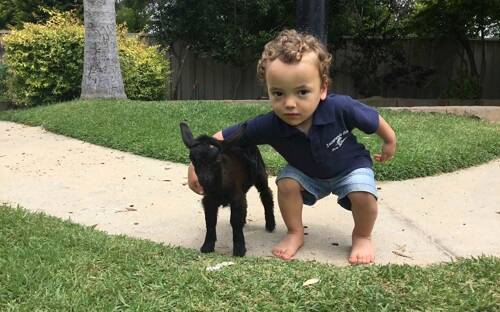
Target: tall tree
{"x":135,"y":13}
{"x":230,"y":31}
{"x":102,"y":77}
{"x":13,"y":13}
{"x":460,"y":20}
{"x":371,"y":30}
{"x":311,"y":17}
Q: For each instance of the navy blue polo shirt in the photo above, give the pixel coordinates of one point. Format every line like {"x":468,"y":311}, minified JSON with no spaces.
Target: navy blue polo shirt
{"x":329,"y":149}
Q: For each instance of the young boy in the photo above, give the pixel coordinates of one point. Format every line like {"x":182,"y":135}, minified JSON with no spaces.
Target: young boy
{"x":312,"y":131}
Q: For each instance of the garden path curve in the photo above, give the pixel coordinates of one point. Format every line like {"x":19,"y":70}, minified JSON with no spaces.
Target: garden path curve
{"x":421,"y":221}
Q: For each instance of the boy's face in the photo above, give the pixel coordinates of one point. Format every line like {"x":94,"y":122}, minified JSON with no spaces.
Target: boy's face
{"x":295,"y":90}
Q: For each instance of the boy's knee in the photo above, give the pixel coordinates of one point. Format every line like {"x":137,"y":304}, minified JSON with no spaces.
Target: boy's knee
{"x":362,"y":199}
{"x":289,"y":186}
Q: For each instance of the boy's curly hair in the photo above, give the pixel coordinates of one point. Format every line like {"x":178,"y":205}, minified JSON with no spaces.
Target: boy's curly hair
{"x":289,"y":46}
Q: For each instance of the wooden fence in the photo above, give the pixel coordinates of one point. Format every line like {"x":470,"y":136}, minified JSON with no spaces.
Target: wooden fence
{"x":202,"y":78}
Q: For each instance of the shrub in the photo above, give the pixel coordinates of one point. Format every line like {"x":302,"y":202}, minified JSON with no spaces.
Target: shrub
{"x":144,"y":68}
{"x":3,"y":79}
{"x":463,"y":86}
{"x":45,"y":63}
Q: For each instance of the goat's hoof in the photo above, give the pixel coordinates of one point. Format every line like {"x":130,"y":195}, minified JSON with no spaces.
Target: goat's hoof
{"x":206,"y":248}
{"x":270,"y":226}
{"x":239,"y":251}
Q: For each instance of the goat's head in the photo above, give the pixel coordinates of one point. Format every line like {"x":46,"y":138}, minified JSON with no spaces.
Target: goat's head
{"x":205,"y":152}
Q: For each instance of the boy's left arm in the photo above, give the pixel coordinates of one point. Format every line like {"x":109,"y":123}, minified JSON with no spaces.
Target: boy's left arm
{"x":386,"y":133}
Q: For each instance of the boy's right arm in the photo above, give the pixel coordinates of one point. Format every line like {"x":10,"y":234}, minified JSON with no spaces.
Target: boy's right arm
{"x":193,"y":182}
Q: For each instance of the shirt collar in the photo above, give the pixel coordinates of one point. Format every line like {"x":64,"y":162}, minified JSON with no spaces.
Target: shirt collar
{"x":321,"y":116}
{"x":284,"y":129}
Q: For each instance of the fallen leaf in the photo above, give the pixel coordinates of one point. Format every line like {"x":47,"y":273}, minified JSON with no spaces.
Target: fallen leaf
{"x":219,"y":266}
{"x":311,"y":281}
{"x":131,"y":209}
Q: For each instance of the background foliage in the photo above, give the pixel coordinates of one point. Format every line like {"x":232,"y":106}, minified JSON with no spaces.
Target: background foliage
{"x":3,"y":81}
{"x":145,"y":68}
{"x":234,"y":31}
{"x":460,"y":21}
{"x":13,"y":13}
{"x":230,"y":31}
{"x":45,"y":63}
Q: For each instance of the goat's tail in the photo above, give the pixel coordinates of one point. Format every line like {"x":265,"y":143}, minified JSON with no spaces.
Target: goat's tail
{"x":266,"y":197}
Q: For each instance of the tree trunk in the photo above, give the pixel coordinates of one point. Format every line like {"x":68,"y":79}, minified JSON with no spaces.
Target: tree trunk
{"x":470,"y":55}
{"x":311,"y":18}
{"x":102,"y":77}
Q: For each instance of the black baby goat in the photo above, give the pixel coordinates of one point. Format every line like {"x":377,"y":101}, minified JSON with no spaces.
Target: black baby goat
{"x":226,"y":172}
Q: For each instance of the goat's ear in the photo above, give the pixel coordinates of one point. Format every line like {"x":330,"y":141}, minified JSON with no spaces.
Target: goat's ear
{"x":186,"y":134}
{"x":228,"y":143}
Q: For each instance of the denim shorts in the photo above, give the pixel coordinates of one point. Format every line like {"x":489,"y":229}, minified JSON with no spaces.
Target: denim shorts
{"x":358,"y":180}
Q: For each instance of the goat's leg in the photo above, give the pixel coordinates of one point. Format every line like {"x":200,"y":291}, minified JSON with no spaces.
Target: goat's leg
{"x":211,"y":207}
{"x":238,"y":210}
{"x":244,"y":214}
{"x":266,"y":197}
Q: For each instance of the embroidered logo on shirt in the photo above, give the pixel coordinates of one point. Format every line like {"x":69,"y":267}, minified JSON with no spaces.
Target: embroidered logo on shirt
{"x":338,"y":141}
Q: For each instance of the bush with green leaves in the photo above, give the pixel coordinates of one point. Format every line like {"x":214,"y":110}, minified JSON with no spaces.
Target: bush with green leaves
{"x":145,"y":68}
{"x":463,"y":86}
{"x":3,"y":79}
{"x":45,"y":63}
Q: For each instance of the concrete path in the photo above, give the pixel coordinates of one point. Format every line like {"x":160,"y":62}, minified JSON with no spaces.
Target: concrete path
{"x":421,"y":221}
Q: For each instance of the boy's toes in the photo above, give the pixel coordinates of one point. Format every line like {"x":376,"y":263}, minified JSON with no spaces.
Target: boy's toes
{"x":281,"y":253}
{"x":278,"y":252}
{"x":360,"y":259}
{"x":362,"y":251}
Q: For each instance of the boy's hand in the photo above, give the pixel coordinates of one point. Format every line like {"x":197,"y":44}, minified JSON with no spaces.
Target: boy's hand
{"x":193,"y":182}
{"x":388,"y":150}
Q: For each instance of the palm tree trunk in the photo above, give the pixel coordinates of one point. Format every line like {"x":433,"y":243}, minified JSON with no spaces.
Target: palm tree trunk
{"x":102,"y":77}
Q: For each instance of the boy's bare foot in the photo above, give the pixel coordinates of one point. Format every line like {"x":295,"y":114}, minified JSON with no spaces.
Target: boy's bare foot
{"x":288,"y":246}
{"x":362,"y":250}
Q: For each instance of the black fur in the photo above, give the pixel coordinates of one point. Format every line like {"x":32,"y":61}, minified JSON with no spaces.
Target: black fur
{"x":226,"y":172}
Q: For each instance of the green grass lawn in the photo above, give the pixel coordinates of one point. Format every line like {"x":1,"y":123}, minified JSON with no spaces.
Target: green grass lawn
{"x":47,"y":264}
{"x":428,"y":144}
